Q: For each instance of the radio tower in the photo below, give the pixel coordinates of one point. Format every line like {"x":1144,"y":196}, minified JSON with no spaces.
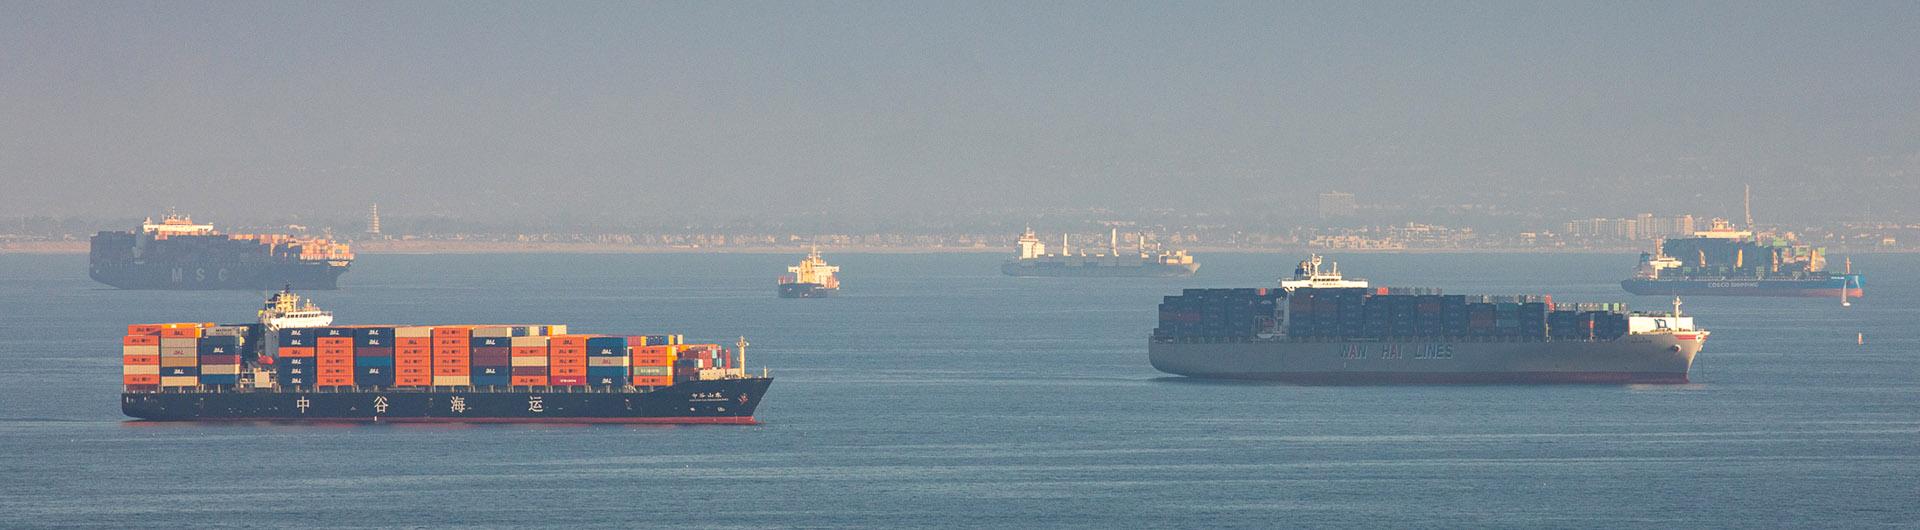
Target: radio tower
{"x":373,"y":219}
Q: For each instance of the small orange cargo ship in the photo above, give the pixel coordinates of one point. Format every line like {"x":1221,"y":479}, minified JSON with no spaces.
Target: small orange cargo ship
{"x":812,"y":278}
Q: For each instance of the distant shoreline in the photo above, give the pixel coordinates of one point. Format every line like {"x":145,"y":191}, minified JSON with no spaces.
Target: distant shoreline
{"x":447,"y":247}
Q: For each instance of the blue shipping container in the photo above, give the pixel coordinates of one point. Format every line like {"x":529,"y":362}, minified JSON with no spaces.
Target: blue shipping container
{"x":373,"y":337}
{"x":607,"y":347}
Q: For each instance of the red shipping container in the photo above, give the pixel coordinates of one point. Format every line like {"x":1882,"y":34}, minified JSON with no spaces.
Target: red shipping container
{"x":567,"y":380}
{"x":140,"y":360}
{"x":219,"y":359}
{"x":141,"y":340}
{"x":148,"y":379}
{"x":652,"y":380}
{"x":529,"y":351}
{"x":299,"y":351}
{"x":529,"y":380}
{"x":340,"y":342}
{"x":529,"y":370}
{"x":650,"y":361}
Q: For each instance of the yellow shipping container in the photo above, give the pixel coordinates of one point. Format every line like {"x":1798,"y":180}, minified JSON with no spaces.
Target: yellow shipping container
{"x":452,"y":380}
{"x":521,"y":360}
{"x":220,"y":369}
{"x":180,"y":381}
{"x":140,"y":369}
{"x":139,"y":350}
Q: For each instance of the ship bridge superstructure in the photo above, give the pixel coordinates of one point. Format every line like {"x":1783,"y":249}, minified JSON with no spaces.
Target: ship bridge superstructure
{"x":1316,"y":272}
{"x":813,"y":270}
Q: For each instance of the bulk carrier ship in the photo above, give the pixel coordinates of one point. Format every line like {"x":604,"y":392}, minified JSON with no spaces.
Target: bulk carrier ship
{"x":1032,"y":259}
{"x":177,"y":254}
{"x":1725,"y":261}
{"x":1321,"y":328}
{"x":295,"y":365}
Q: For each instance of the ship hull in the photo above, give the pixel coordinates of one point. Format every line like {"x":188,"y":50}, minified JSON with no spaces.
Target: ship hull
{"x":219,"y":276}
{"x":730,"y":401}
{"x":1816,"y":287}
{"x":1036,"y":268}
{"x":1634,"y":359}
{"x":806,"y":290}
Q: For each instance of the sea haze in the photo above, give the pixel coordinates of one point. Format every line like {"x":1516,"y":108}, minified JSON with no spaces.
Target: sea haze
{"x":936,"y":392}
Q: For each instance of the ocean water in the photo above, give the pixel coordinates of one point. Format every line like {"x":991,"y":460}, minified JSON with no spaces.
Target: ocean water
{"x":936,"y":392}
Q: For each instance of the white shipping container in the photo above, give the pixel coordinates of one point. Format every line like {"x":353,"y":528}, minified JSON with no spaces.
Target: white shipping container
{"x":606,"y":361}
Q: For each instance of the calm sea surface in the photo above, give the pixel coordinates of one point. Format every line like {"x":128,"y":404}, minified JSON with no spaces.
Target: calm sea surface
{"x":936,"y":392}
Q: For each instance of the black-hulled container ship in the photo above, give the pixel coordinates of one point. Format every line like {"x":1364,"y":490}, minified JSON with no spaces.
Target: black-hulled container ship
{"x":1319,"y":328}
{"x":812,"y":278}
{"x":1032,"y":259}
{"x":274,"y":371}
{"x":1724,"y":261}
{"x":177,"y":254}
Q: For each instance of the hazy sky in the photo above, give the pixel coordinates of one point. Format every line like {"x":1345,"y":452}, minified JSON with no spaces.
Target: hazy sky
{"x":648,"y":111}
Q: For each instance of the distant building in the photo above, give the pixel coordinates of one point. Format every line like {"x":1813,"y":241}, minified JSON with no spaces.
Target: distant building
{"x":1336,"y":204}
{"x":373,"y":220}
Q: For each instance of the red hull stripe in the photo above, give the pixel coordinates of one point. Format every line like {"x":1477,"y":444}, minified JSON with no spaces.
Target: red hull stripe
{"x":1349,"y":378}
{"x":687,"y":420}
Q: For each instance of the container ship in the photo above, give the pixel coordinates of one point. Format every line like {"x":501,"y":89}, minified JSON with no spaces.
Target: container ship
{"x":812,"y":278}
{"x":178,"y":254}
{"x":295,"y":365}
{"x":1729,"y":262}
{"x":1033,"y":260}
{"x":1320,"y":328}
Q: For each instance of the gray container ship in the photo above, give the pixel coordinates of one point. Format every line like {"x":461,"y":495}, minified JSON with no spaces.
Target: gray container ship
{"x":178,"y":254}
{"x":1033,"y":260}
{"x":1320,"y":328}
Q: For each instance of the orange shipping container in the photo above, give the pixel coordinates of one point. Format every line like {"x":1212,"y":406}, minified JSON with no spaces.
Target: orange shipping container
{"x":337,"y":342}
{"x":452,"y":343}
{"x":142,"y":379}
{"x":579,"y":371}
{"x":299,"y":351}
{"x":336,"y":361}
{"x":651,"y":380}
{"x":453,"y":331}
{"x":529,"y":380}
{"x":143,"y":329}
{"x":171,"y":362}
{"x":580,"y":361}
{"x":413,"y":380}
{"x":336,"y":370}
{"x":180,"y":333}
{"x":461,"y":361}
{"x":571,"y":341}
{"x":335,"y":380}
{"x":140,"y":360}
{"x":414,"y":370}
{"x":413,"y":361}
{"x":451,"y":371}
{"x":412,"y":350}
{"x":569,"y":351}
{"x":140,"y":340}
{"x":413,"y":342}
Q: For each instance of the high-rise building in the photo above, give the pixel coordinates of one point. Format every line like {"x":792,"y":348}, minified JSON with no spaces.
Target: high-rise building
{"x":1335,"y":204}
{"x":373,"y":220}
